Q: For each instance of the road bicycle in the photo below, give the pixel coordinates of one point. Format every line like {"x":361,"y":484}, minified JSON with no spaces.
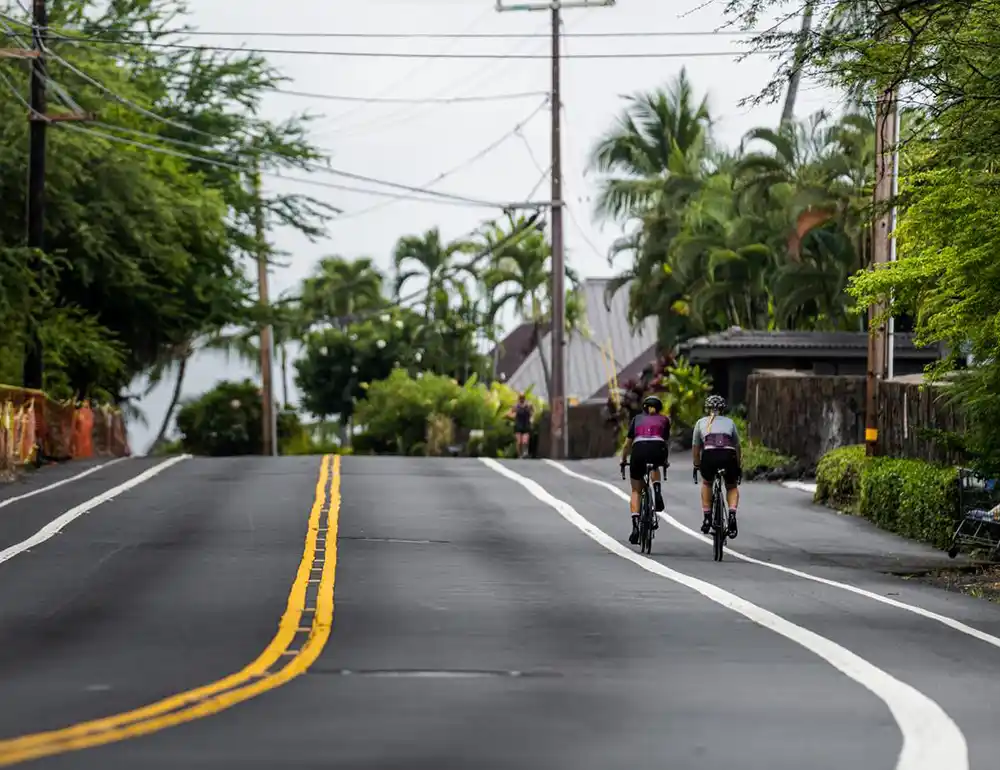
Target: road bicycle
{"x":720,"y":521}
{"x":647,"y":512}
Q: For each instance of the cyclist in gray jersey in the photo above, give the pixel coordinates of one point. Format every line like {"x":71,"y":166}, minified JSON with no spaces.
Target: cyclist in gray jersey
{"x":716,"y":450}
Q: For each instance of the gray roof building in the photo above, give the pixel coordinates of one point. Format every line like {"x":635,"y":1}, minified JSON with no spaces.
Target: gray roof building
{"x":608,"y":343}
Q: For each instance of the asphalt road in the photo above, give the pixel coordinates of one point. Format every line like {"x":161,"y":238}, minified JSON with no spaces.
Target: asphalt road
{"x":484,"y":614}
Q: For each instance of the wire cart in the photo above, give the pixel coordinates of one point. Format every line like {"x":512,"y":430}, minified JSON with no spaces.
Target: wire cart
{"x":979,"y":510}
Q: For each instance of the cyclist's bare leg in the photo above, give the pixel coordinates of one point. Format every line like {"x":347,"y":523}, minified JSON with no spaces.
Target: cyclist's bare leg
{"x":633,"y":507}
{"x":733,"y":499}
{"x":706,"y":505}
{"x":655,"y":477}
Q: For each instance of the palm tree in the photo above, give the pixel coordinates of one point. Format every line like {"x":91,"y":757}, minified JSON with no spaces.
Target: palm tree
{"x":654,"y":160}
{"x":340,"y":288}
{"x":428,"y":257}
{"x":521,"y":278}
{"x":659,"y":135}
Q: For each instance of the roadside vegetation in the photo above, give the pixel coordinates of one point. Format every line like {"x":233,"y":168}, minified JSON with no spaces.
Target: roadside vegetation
{"x":153,"y":218}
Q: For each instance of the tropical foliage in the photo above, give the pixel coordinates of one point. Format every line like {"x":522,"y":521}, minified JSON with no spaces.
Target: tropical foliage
{"x":762,"y":237}
{"x":149,"y":212}
{"x":938,"y":57}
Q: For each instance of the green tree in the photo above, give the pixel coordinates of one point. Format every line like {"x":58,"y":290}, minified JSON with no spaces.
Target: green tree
{"x":432,"y":259}
{"x":340,"y":288}
{"x":133,"y":233}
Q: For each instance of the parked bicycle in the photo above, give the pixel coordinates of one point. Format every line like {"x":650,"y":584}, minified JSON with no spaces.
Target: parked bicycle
{"x":720,"y":522}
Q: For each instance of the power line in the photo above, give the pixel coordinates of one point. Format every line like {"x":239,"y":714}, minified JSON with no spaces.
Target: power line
{"x":468,"y":82}
{"x":298,"y":180}
{"x":431,"y":55}
{"x":114,"y":35}
{"x":464,"y":164}
{"x":307,"y":165}
{"x":402,"y":100}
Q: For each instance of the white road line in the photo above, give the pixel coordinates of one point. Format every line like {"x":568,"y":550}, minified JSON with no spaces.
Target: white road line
{"x":802,"y":486}
{"x":33,"y":492}
{"x":931,"y":739}
{"x":957,"y":625}
{"x":56,"y":525}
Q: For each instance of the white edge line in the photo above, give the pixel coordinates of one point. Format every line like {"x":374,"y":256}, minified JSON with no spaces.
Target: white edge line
{"x":801,"y":486}
{"x":56,"y":525}
{"x":931,"y":739}
{"x":957,"y":625}
{"x":77,"y":477}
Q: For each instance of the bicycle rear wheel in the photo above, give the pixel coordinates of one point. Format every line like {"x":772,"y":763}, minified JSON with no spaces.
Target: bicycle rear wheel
{"x":645,"y":524}
{"x":719,"y":524}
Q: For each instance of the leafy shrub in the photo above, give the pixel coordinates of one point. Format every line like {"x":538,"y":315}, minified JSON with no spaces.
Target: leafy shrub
{"x":227,"y":421}
{"x":680,"y":385}
{"x":838,"y":478}
{"x":406,"y":415}
{"x":911,"y":498}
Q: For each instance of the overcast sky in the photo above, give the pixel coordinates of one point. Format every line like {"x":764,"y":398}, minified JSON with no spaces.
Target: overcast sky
{"x":415,"y":144}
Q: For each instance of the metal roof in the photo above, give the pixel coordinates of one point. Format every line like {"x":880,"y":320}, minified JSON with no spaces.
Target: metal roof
{"x":749,"y":341}
{"x":587,"y":365}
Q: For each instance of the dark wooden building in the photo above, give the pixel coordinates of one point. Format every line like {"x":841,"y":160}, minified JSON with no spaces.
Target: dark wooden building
{"x":730,"y":357}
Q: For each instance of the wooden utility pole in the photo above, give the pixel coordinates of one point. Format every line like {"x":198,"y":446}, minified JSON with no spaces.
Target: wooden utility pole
{"x":33,"y":374}
{"x":33,"y":371}
{"x":557,"y":384}
{"x":268,"y":415}
{"x":878,"y":354}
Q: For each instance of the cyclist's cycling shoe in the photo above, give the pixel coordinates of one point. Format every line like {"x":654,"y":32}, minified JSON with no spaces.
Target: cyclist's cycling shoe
{"x":733,"y":529}
{"x":656,"y":521}
{"x":634,"y":537}
{"x":658,"y":499}
{"x":706,"y":525}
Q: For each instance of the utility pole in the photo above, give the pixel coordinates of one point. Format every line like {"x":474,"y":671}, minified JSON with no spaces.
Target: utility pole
{"x":882,"y":248}
{"x":557,"y":386}
{"x":269,"y":430}
{"x":38,"y":116}
{"x":33,"y":374}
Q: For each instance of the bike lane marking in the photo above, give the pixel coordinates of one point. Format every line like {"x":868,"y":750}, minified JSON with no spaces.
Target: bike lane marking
{"x":931,"y":739}
{"x":956,"y":625}
{"x":56,"y":526}
{"x":54,"y":485}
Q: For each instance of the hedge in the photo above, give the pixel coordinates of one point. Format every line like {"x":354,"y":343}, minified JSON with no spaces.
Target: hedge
{"x":912,"y":498}
{"x":838,"y":478}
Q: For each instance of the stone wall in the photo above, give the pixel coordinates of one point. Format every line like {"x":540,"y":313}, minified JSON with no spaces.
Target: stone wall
{"x":805,"y":415}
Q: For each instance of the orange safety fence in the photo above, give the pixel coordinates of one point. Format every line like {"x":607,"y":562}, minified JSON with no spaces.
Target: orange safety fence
{"x":34,"y":426}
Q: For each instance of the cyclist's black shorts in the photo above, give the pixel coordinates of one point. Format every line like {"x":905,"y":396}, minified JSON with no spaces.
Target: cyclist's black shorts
{"x":644,"y":453}
{"x":722,"y":461}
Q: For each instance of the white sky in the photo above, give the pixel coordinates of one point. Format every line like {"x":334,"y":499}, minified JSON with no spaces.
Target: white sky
{"x":413,"y":144}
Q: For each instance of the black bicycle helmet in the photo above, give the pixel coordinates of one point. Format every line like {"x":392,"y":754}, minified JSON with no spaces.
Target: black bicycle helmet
{"x":715,"y":404}
{"x":652,"y":401}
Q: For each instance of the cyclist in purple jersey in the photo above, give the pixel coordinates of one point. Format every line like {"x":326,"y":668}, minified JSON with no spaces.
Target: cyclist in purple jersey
{"x":646,"y":444}
{"x":716,"y":450}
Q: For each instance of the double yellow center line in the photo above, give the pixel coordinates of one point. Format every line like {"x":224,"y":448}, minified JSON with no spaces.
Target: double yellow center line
{"x":296,"y":646}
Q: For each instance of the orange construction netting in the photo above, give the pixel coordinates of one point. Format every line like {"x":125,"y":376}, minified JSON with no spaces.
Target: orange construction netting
{"x":34,"y":426}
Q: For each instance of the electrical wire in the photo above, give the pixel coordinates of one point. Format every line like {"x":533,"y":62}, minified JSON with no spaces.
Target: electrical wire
{"x":434,"y":54}
{"x":297,"y":180}
{"x":455,"y":169}
{"x":116,"y":34}
{"x":486,"y":72}
{"x":411,"y":73}
{"x":465,"y":35}
{"x":403,"y":100}
{"x":306,"y":165}
{"x":566,"y":206}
